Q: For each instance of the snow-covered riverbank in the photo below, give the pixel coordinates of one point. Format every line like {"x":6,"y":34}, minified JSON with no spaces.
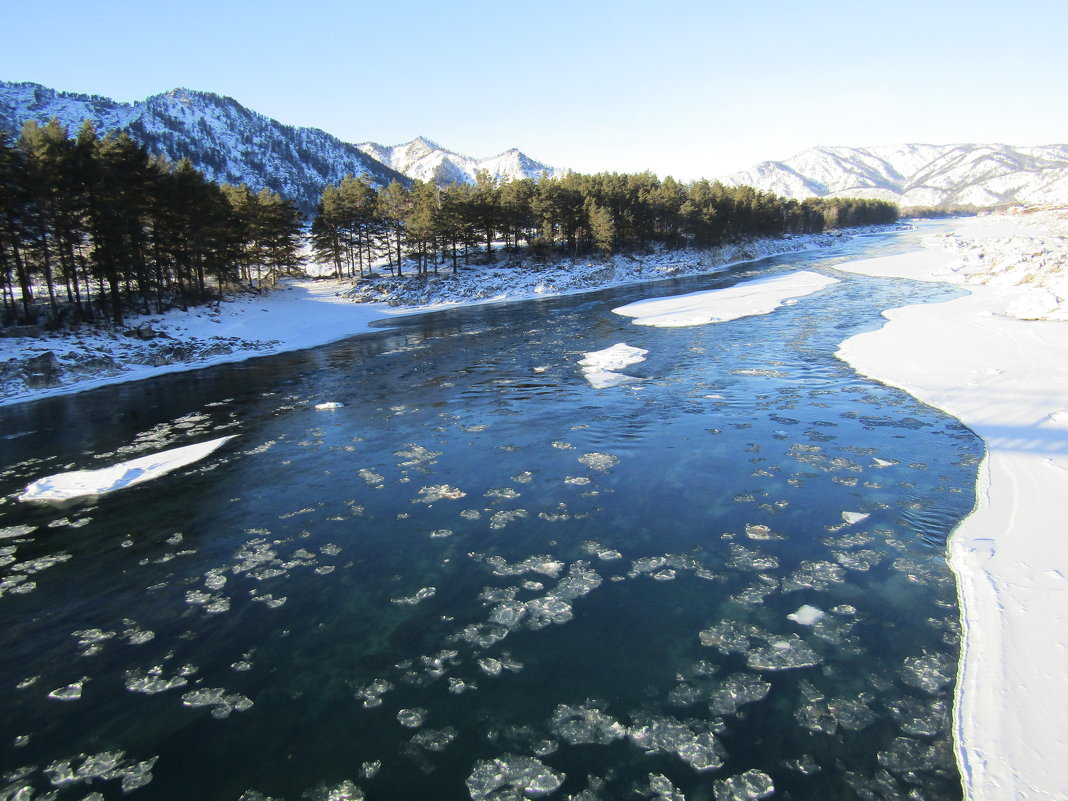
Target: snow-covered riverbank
{"x":1007,"y":379}
{"x":303,"y":313}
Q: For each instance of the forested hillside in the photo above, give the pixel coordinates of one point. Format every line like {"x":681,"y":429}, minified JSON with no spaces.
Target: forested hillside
{"x":93,"y":227}
{"x":355,"y":224}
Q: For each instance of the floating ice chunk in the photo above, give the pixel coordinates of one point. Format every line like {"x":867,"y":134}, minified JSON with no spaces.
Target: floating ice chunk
{"x":807,"y":615}
{"x":412,"y":718}
{"x":502,"y":518}
{"x":222,"y":703}
{"x":579,"y":581}
{"x":863,"y":560}
{"x":542,"y":612}
{"x":373,"y":692}
{"x":490,"y":666}
{"x":920,"y":719}
{"x":661,"y":789}
{"x":877,"y":462}
{"x":804,"y":764}
{"x":586,"y":724}
{"x":16,"y":531}
{"x":694,"y":741}
{"x":852,"y":518}
{"x":346,"y":791}
{"x":90,"y":640}
{"x":508,"y":613}
{"x":601,"y":366}
{"x":727,"y":637}
{"x":329,"y":405}
{"x":72,"y":692}
{"x":599,"y":461}
{"x":743,"y":558}
{"x":905,"y":756}
{"x":369,"y":769}
{"x":748,"y":786}
{"x":814,"y":576}
{"x":735,"y":690}
{"x":759,"y":296}
{"x":434,"y":739}
{"x":439,"y":492}
{"x":517,"y":777}
{"x":929,"y":672}
{"x":105,"y":766}
{"x":84,"y":483}
{"x":152,"y":681}
{"x":758,"y":531}
{"x":782,"y":653}
{"x":412,"y":600}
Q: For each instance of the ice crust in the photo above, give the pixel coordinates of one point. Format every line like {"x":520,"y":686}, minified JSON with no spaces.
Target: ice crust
{"x":759,"y":296}
{"x":83,"y":483}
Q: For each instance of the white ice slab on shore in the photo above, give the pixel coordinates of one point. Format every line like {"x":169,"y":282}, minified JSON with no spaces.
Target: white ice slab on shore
{"x":761,"y":296}
{"x":1006,"y":379}
{"x":83,"y":483}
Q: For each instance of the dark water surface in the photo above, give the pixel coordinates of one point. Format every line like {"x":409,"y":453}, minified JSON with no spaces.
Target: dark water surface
{"x":483,"y":578}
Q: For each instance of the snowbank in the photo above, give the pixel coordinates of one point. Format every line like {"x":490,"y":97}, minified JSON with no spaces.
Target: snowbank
{"x":83,"y":483}
{"x":1006,"y":379}
{"x":761,"y":296}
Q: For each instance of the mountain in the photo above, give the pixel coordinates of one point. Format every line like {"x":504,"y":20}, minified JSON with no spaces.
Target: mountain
{"x":221,"y":137}
{"x":920,"y":175}
{"x":232,"y":144}
{"x":429,"y":161}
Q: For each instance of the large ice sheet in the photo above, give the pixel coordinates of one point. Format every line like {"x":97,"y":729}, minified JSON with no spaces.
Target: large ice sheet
{"x":83,"y":483}
{"x":720,"y":305}
{"x":1006,"y":379}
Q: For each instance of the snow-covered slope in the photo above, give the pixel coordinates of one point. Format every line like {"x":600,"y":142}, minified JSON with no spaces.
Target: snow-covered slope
{"x":920,"y":175}
{"x":429,"y":161}
{"x":220,"y":136}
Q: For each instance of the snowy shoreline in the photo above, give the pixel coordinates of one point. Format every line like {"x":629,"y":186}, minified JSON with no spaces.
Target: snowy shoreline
{"x":985,"y":359}
{"x":304,"y":313}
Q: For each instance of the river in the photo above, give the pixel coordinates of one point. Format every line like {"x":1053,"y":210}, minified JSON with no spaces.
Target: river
{"x":482,"y":577}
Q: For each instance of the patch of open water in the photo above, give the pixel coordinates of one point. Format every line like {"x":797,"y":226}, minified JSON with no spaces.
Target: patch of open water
{"x":482,"y":577}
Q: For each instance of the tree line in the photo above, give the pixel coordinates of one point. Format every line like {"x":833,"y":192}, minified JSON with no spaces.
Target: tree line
{"x":357,"y":225}
{"x":93,"y":228}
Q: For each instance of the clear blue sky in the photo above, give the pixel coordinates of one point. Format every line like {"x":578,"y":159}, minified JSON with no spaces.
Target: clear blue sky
{"x":681,"y":87}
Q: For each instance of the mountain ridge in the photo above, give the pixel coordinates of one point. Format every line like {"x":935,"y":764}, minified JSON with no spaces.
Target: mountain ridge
{"x":233,"y":144}
{"x":980,"y":175}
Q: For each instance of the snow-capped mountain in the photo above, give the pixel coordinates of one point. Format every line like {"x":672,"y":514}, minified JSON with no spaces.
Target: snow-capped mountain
{"x":222,"y":138}
{"x":920,"y":175}
{"x":429,"y":161}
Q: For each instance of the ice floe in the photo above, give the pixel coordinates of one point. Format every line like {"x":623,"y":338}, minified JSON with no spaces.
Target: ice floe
{"x":748,"y":786}
{"x":328,"y":405}
{"x":807,"y":615}
{"x":221,"y":702}
{"x":512,"y":778}
{"x":586,"y":724}
{"x":84,"y":483}
{"x":693,"y":741}
{"x":601,"y":367}
{"x":760,"y":296}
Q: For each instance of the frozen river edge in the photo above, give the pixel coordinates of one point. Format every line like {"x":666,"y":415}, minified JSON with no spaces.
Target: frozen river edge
{"x":307,"y":312}
{"x":1007,"y":380}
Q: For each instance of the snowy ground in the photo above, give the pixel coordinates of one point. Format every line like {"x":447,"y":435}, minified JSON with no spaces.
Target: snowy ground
{"x":308,"y":312}
{"x":1007,"y":379}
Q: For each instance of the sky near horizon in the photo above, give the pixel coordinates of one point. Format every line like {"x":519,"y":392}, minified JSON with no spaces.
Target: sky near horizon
{"x":679,"y":87}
